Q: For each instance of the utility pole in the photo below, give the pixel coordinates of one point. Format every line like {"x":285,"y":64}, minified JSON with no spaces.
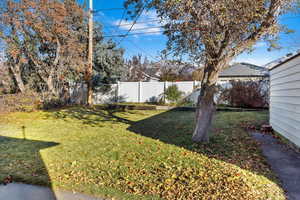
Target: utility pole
{"x":90,"y":57}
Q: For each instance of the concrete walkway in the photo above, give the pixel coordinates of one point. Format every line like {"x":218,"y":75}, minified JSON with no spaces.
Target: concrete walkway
{"x":284,"y":162}
{"x":17,"y":191}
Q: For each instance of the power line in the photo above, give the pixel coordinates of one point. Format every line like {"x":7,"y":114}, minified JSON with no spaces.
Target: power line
{"x":142,"y":50}
{"x":123,"y":15}
{"x":132,"y":25}
{"x":148,"y":32}
{"x":115,"y":29}
{"x":147,"y":28}
{"x":120,"y":22}
{"x":158,"y":20}
{"x":143,"y":22}
{"x":134,"y":22}
{"x":125,"y":35}
{"x":107,"y":9}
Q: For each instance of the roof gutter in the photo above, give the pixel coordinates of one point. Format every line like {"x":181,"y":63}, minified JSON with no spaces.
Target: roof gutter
{"x":242,"y":76}
{"x":285,"y":61}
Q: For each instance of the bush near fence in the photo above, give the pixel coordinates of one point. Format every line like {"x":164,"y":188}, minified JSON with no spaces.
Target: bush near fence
{"x":246,"y":94}
{"x":31,"y":101}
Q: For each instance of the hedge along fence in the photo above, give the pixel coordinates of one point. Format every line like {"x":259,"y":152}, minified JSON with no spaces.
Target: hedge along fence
{"x":19,"y":102}
{"x":30,"y":101}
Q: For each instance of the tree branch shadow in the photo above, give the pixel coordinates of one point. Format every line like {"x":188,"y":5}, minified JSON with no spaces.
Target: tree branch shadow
{"x":229,"y":142}
{"x":21,"y":162}
{"x":89,"y":116}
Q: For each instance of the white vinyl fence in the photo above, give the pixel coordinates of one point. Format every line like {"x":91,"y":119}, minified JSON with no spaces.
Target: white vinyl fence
{"x":141,"y":92}
{"x":135,"y":92}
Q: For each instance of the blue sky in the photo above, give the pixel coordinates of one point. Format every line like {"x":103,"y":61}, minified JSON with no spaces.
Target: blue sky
{"x":151,"y":43}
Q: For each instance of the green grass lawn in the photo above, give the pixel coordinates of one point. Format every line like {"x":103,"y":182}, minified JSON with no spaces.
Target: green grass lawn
{"x":136,"y":154}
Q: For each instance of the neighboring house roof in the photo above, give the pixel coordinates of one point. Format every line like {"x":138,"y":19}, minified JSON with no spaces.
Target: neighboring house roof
{"x":189,"y":69}
{"x":244,"y":70}
{"x":276,"y":63}
{"x":149,"y":74}
{"x":153,"y":72}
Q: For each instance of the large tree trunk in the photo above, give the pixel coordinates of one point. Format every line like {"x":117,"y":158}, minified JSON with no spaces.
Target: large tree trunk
{"x":46,"y":74}
{"x":16,"y":70}
{"x":50,"y":79}
{"x":50,"y":85}
{"x":205,"y":106}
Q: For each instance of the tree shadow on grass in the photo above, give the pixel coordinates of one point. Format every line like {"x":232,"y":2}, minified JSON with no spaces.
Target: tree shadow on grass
{"x":21,"y":162}
{"x":88,"y":116}
{"x":229,"y":141}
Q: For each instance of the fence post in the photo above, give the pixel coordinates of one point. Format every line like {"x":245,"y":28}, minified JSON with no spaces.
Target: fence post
{"x":117,"y":92}
{"x":140,"y":92}
{"x":165,"y":88}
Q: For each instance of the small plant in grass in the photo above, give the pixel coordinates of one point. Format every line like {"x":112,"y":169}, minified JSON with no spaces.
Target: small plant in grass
{"x":173,"y":94}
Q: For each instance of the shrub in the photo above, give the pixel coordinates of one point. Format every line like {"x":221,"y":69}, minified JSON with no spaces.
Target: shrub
{"x":187,"y":102}
{"x":24,"y":102}
{"x":52,"y":103}
{"x":173,"y":94}
{"x":49,"y":101}
{"x":30,"y":101}
{"x":246,"y":94}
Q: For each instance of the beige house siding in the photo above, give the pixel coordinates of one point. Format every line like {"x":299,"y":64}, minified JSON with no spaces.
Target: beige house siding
{"x":285,"y":99}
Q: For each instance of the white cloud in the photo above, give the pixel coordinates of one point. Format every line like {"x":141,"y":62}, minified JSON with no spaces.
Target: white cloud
{"x":148,"y":23}
{"x":260,"y":44}
{"x":100,"y":13}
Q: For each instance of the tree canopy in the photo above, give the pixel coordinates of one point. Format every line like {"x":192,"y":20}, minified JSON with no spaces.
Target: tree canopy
{"x":43,"y":38}
{"x":213,"y":33}
{"x":46,"y":44}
